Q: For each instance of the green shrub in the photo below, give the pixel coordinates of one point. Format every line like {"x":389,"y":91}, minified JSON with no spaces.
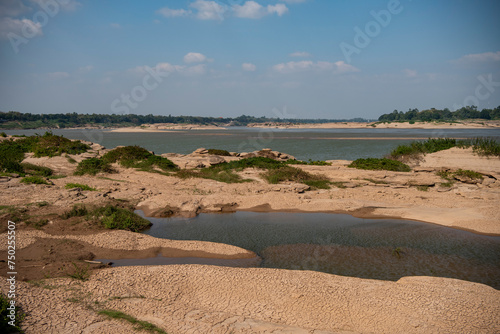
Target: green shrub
{"x":51,"y":145}
{"x":92,"y":166}
{"x":138,"y":157}
{"x":76,"y":211}
{"x":79,"y":185}
{"x":36,"y":170}
{"x":33,"y":180}
{"x":118,"y":218}
{"x":213,"y":151}
{"x":38,"y":223}
{"x":4,"y":320}
{"x":481,"y":146}
{"x":11,"y":155}
{"x":293,"y":174}
{"x":380,"y":164}
{"x":3,"y":134}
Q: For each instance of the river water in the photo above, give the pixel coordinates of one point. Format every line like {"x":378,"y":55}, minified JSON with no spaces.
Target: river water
{"x":304,"y":144}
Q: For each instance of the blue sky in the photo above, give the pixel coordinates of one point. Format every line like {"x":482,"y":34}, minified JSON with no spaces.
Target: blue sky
{"x":275,"y":58}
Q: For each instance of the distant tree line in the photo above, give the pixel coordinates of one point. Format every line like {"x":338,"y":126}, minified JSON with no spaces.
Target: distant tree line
{"x":15,"y":119}
{"x":469,"y":112}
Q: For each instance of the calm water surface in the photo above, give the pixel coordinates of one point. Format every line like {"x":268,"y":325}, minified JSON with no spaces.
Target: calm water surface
{"x":317,"y":144}
{"x":385,"y":249}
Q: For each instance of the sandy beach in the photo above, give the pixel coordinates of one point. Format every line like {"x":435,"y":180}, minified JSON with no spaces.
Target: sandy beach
{"x":472,"y":124}
{"x":202,"y":298}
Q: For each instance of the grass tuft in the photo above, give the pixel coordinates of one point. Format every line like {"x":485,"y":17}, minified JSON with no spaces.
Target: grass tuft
{"x":79,"y":185}
{"x":33,"y":180}
{"x":80,"y":273}
{"x":93,"y":166}
{"x":380,"y":164}
{"x":139,"y":324}
{"x":213,"y":151}
{"x":76,"y":211}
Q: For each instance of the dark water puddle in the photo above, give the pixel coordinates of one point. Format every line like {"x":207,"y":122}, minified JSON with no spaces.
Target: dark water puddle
{"x":163,"y":260}
{"x":385,"y":249}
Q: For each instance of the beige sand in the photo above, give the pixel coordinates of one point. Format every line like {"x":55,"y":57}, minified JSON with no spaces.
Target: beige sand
{"x":209,"y":299}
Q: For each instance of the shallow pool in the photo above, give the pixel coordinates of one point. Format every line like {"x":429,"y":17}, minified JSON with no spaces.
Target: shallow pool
{"x":340,"y":244}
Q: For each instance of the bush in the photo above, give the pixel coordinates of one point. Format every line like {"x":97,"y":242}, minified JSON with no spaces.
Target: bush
{"x":36,"y":170}
{"x":293,"y":174}
{"x":76,"y":211}
{"x":79,"y":185}
{"x":380,"y":164}
{"x":92,"y":166}
{"x":481,"y":146}
{"x":118,"y":218}
{"x":138,"y":157}
{"x":213,"y":151}
{"x":3,"y":134}
{"x":11,"y":155}
{"x":51,"y":145}
{"x":33,"y":180}
{"x":38,"y":223}
{"x":4,"y":320}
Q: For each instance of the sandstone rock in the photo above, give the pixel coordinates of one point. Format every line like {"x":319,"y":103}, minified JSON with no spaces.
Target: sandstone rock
{"x":247,"y":155}
{"x":200,"y":150}
{"x":466,"y":179}
{"x":215,"y":160}
{"x":487,"y":181}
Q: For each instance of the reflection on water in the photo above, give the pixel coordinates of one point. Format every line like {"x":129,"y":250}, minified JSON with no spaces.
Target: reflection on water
{"x":341,"y":244}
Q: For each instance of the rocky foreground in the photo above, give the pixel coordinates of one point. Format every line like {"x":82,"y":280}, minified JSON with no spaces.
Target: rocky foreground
{"x":210,"y":299}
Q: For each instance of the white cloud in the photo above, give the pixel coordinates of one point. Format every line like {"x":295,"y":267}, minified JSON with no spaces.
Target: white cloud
{"x":168,"y":12}
{"x":198,"y":69}
{"x":253,"y":10}
{"x":248,"y":67}
{"x":194,"y":57}
{"x":115,"y":25}
{"x":195,"y":70}
{"x":13,"y":8}
{"x":320,"y":66}
{"x":160,"y":67}
{"x":208,"y":10}
{"x":249,"y":10}
{"x":410,"y":73}
{"x":479,"y":58}
{"x":342,"y":67}
{"x":24,"y":28}
{"x":218,"y":10}
{"x":279,"y":9}
{"x":300,"y":54}
{"x":58,"y":75}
